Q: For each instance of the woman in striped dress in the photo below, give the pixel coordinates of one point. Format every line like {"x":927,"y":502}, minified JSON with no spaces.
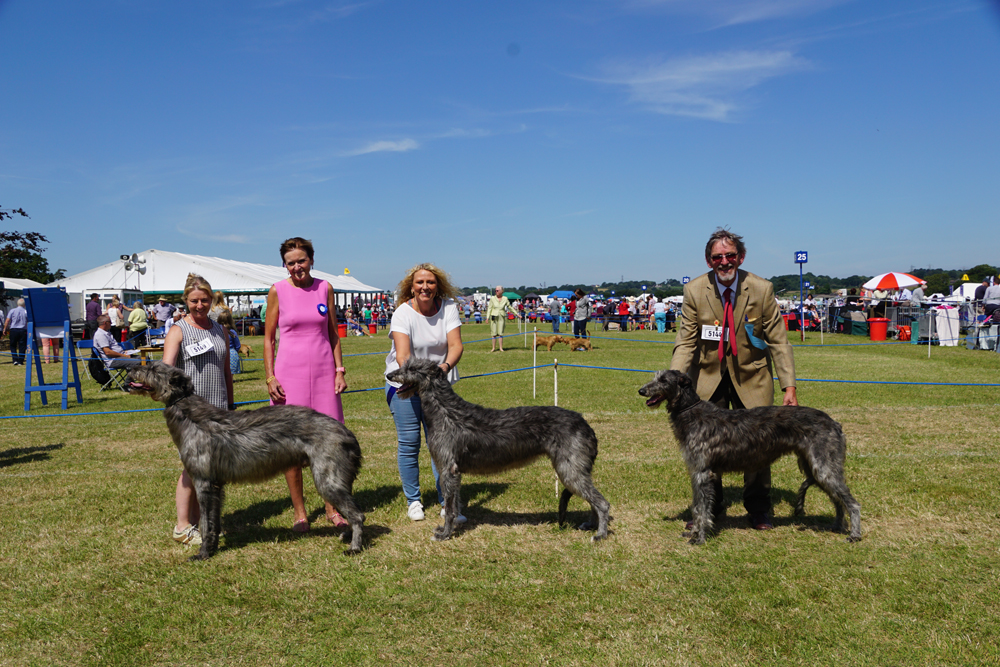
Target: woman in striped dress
{"x":199,"y":347}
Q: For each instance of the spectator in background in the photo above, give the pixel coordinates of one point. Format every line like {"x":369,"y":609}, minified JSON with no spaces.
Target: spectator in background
{"x":108,"y":348}
{"x":115,"y":313}
{"x":16,"y":325}
{"x":496,"y":313}
{"x":555,"y":309}
{"x":917,"y":297}
{"x":163,"y":312}
{"x":991,"y":299}
{"x":623,"y":314}
{"x":218,"y":305}
{"x":981,"y":290}
{"x":92,"y":312}
{"x":137,"y":324}
{"x":226,"y":321}
{"x":581,"y":314}
{"x":660,"y":315}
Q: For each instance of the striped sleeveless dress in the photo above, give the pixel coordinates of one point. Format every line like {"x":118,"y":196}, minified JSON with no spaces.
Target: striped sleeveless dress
{"x":207,"y":370}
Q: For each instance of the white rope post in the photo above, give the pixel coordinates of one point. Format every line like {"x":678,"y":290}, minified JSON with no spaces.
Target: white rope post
{"x":555,"y":380}
{"x":930,"y":332}
{"x":534,"y":364}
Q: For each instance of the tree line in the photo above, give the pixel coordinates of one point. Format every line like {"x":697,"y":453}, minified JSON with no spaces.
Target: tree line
{"x":938,"y":280}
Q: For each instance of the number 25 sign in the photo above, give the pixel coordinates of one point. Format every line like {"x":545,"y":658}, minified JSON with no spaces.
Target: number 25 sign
{"x":801,"y":257}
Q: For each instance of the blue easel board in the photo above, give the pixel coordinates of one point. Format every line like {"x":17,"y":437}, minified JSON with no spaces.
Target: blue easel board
{"x":48,"y":307}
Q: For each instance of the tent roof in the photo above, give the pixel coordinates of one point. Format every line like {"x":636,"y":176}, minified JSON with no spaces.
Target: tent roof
{"x":561,"y":294}
{"x":166,"y":272}
{"x":24,"y":283}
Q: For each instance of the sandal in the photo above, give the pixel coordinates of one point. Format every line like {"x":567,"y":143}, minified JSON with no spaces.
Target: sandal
{"x":301,"y":526}
{"x":337,"y":520}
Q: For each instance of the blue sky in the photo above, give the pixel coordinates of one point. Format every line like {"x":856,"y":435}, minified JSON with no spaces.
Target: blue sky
{"x":515,"y":142}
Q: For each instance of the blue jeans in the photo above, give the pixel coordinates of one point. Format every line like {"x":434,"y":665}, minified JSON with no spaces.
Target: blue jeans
{"x":408,"y":416}
{"x":580,"y":328}
{"x":661,"y":322}
{"x":555,"y":325}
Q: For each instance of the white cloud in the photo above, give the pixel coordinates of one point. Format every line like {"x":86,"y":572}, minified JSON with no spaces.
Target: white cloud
{"x":734,"y":12}
{"x":385,"y":146}
{"x":701,"y":86}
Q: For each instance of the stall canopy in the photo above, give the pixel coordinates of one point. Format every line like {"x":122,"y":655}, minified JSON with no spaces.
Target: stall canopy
{"x":166,"y":272}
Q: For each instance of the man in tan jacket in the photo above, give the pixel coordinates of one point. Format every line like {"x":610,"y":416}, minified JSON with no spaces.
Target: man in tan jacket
{"x":729,"y":350}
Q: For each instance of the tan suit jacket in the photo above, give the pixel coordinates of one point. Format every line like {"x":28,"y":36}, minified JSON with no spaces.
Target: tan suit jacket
{"x":751,"y":370}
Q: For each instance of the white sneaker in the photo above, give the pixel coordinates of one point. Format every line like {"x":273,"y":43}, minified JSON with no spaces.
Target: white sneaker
{"x":415,"y":511}
{"x":459,"y":518}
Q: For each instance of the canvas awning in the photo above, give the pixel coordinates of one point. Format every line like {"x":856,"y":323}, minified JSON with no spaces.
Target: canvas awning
{"x":166,"y":272}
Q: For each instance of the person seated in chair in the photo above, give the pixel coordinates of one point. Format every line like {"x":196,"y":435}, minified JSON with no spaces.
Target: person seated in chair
{"x":108,"y":348}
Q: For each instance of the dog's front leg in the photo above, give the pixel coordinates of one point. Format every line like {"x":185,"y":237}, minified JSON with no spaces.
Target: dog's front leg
{"x":703,"y":497}
{"x":451,"y":481}
{"x":209,"y":496}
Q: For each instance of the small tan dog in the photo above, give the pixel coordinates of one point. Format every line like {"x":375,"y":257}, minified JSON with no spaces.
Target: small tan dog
{"x":246,"y":349}
{"x":577,"y":343}
{"x":549,"y":341}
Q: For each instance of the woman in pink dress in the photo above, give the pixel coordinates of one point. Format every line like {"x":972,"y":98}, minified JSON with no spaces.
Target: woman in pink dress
{"x":310,"y":368}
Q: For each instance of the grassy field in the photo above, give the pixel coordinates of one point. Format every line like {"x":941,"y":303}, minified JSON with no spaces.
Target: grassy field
{"x":89,"y":574}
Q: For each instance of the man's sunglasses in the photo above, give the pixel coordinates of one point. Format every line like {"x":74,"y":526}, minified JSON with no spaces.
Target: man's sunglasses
{"x":718,"y":258}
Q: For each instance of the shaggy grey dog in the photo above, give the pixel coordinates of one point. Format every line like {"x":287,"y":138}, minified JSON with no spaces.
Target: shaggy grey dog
{"x":714,"y":441}
{"x":467,"y":438}
{"x":219,"y":447}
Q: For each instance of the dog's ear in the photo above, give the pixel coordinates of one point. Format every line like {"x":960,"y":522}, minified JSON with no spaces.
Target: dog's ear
{"x":684,"y":379}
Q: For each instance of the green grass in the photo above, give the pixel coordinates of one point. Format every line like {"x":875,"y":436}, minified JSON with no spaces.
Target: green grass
{"x":89,"y":575}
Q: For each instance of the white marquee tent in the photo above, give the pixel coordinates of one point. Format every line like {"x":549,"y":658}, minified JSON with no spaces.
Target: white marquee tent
{"x":166,"y":271}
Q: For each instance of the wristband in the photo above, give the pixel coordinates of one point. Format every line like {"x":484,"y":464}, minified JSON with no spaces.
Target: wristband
{"x":270,"y":379}
{"x":448,"y":365}
{"x":341,"y":369}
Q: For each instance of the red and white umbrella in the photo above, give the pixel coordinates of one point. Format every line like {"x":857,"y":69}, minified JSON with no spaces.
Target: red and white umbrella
{"x":892,"y":280}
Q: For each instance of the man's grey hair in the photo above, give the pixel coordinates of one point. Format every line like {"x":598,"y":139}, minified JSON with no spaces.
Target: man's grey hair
{"x":722,"y":234}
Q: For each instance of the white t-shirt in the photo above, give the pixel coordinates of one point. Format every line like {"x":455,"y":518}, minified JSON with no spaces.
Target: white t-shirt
{"x":428,"y":335}
{"x":115,"y":315}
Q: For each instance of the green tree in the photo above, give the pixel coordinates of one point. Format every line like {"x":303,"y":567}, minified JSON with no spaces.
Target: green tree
{"x":977,"y":273}
{"x":21,"y":253}
{"x":937,"y":283}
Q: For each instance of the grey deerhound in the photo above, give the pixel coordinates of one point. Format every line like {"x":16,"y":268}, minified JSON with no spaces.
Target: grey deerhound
{"x":467,"y":438}
{"x":219,"y":447}
{"x":714,"y":441}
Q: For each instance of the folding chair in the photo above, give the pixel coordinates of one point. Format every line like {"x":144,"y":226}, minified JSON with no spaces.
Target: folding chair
{"x":155,"y":336}
{"x":102,"y":371}
{"x":85,"y":357}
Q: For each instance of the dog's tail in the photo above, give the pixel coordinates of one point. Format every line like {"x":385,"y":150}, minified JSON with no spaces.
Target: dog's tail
{"x":563,"y":503}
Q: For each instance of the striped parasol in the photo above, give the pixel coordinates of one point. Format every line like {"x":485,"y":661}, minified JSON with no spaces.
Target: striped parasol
{"x":892,"y":280}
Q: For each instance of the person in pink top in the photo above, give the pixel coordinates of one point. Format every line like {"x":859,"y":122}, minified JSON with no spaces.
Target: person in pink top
{"x":309,"y":369}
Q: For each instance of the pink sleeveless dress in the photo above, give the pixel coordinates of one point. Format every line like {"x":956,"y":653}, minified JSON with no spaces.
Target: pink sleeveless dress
{"x":305,"y":366}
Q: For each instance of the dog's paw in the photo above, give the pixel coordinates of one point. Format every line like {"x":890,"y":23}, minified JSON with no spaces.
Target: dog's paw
{"x":852,"y":539}
{"x":587,"y":525}
{"x":199,"y":556}
{"x":697,"y":539}
{"x":440,"y":534}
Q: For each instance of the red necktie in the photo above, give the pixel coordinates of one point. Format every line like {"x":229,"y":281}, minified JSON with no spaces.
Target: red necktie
{"x":727,"y":325}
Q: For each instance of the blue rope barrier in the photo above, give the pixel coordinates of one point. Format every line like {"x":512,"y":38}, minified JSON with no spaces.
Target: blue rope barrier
{"x":528,"y":368}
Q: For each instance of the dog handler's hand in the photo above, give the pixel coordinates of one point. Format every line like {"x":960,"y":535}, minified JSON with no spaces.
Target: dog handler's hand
{"x":275,"y":391}
{"x":790,"y":398}
{"x":339,"y":384}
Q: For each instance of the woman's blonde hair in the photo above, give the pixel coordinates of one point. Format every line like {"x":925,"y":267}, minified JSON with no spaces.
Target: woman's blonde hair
{"x":226,"y":319}
{"x":445,"y":289}
{"x":218,"y":299}
{"x":195,"y":282}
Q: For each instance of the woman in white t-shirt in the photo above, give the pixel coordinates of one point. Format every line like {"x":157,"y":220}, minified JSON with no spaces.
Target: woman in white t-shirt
{"x":426,"y":325}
